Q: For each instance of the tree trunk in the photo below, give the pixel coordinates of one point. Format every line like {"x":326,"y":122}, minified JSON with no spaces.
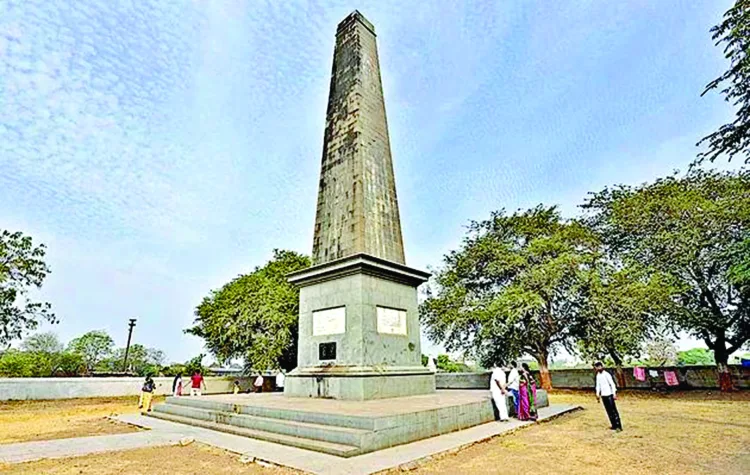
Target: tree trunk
{"x":725,"y":377}
{"x":544,"y":377}
{"x":619,"y":373}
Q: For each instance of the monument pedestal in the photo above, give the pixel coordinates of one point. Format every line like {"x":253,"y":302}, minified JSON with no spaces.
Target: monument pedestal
{"x":359,"y":331}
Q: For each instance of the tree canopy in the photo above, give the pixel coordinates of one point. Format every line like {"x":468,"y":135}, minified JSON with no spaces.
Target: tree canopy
{"x":94,"y":347}
{"x":696,"y":356}
{"x":46,"y":342}
{"x":22,"y":267}
{"x":623,"y":307}
{"x":255,"y":315}
{"x":514,"y":287}
{"x":734,"y":84}
{"x":694,"y":230}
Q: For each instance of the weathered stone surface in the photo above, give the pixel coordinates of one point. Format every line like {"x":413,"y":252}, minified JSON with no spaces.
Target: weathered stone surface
{"x":358,"y":326}
{"x":357,"y":208}
{"x":368,"y":364}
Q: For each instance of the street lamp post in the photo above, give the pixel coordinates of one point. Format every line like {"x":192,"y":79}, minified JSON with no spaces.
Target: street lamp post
{"x":131,"y":324}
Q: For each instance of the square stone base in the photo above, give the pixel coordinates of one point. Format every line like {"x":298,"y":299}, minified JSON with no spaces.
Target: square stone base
{"x":362,"y":387}
{"x":336,"y":427}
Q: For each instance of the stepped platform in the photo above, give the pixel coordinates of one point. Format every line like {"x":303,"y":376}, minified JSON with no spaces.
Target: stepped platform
{"x":341,"y":428}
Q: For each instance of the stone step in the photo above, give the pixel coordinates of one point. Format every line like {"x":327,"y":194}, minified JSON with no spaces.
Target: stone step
{"x":247,"y":408}
{"x":341,"y":450}
{"x":306,"y":430}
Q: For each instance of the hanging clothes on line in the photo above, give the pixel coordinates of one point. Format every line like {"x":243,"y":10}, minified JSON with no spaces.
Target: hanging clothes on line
{"x":670,"y":377}
{"x":639,"y":373}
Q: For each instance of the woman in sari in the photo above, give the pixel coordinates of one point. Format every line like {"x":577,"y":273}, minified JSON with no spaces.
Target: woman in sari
{"x":531,"y":392}
{"x":527,"y":395}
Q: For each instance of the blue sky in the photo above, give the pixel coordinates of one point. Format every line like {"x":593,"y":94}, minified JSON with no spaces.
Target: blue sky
{"x":160,"y":149}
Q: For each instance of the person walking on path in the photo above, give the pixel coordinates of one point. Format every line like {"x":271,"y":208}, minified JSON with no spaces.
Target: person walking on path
{"x":197,"y":383}
{"x":606,"y":390}
{"x":514,"y":380}
{"x":177,"y":385}
{"x":147,"y":394}
{"x":499,"y":391}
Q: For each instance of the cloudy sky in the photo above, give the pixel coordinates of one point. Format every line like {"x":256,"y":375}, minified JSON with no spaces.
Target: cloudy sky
{"x":161,"y":148}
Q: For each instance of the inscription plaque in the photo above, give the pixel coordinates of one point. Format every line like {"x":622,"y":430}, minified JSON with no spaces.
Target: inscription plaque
{"x":391,"y":321}
{"x":331,"y":321}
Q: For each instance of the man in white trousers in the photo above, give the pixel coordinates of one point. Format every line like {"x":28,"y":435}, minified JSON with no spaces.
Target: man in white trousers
{"x":499,"y":391}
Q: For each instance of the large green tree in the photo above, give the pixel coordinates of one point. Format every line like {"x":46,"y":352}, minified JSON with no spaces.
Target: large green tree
{"x":46,"y":342}
{"x":734,"y":84}
{"x":694,"y":229}
{"x":22,"y":267}
{"x":94,"y":347}
{"x":254,"y":316}
{"x":623,"y":307}
{"x":141,"y":361}
{"x":514,"y":287}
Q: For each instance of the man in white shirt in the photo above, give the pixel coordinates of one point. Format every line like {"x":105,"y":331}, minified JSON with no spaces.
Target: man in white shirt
{"x":258,"y":384}
{"x":280,"y":377}
{"x":606,"y":390}
{"x":514,"y":380}
{"x":499,"y":391}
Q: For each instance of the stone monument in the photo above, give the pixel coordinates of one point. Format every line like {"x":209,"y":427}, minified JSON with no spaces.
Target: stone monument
{"x":359,"y":383}
{"x":359,"y":333}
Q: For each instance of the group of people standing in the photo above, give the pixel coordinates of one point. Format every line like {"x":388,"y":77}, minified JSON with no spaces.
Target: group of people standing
{"x":520,"y":384}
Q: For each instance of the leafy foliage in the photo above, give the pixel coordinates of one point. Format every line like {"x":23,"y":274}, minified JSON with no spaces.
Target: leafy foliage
{"x":195,"y":364}
{"x":734,"y":33}
{"x":41,"y":356}
{"x":47,"y":342}
{"x":696,"y":356}
{"x":446,"y":364}
{"x":623,"y":307}
{"x":21,"y":267}
{"x":514,"y":287}
{"x":661,"y":351}
{"x":94,"y":347}
{"x":694,"y":230}
{"x":141,"y":361}
{"x":255,"y":315}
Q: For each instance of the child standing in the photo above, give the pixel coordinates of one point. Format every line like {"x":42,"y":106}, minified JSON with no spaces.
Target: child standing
{"x":147,"y":394}
{"x":177,"y":385}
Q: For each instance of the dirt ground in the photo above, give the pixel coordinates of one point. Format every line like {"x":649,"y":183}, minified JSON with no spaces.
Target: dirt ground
{"x":681,"y":433}
{"x":193,"y":459}
{"x":22,"y":421}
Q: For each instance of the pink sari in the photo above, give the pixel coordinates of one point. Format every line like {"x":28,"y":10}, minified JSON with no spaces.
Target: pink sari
{"x":527,"y":398}
{"x":523,"y":402}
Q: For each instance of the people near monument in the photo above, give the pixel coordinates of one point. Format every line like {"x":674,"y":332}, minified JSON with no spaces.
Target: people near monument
{"x":197,"y":383}
{"x":499,"y":391}
{"x":258,"y":383}
{"x":514,"y":380}
{"x":280,"y":377}
{"x":526,"y":395}
{"x":606,"y":390}
{"x":236,"y":387}
{"x":177,"y":385}
{"x":147,"y":394}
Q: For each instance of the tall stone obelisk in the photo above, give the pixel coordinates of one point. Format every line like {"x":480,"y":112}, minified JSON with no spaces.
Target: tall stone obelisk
{"x":358,"y":325}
